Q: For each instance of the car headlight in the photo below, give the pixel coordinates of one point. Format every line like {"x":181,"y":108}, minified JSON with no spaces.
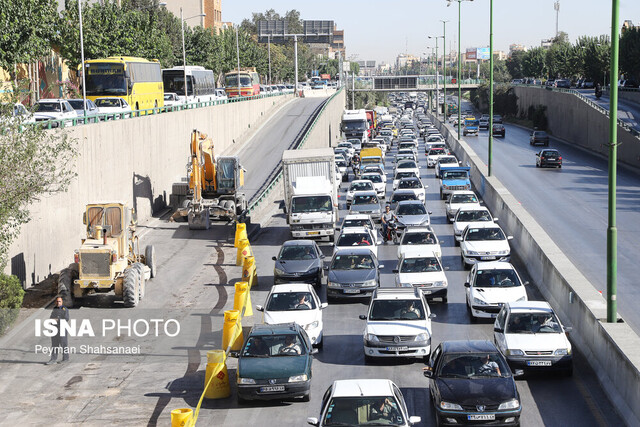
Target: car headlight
{"x":562,"y":352}
{"x":298,"y":378}
{"x":246,"y":381}
{"x":422,"y":337}
{"x":450,"y":406}
{"x":445,"y":187}
{"x":511,"y":404}
{"x":278,"y":271}
{"x":293,"y":221}
{"x":371,"y":337}
{"x":514,"y":352}
{"x":370,"y":283}
{"x":440,"y":283}
{"x":333,"y":285}
{"x":467,"y":187}
{"x":311,"y":325}
{"x":502,"y":252}
{"x":478,"y":301}
{"x":425,"y":222}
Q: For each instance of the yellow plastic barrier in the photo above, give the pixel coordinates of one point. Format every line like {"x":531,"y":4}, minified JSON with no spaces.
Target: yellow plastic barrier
{"x":242,"y":299}
{"x":244,"y":250}
{"x":216,"y":376}
{"x":181,"y":417}
{"x":232,"y":330}
{"x":241,"y":233}
{"x":249,"y":271}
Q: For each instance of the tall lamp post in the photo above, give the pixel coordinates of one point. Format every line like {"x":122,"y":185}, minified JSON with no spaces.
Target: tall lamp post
{"x":444,"y":66}
{"x":459,"y":64}
{"x":184,"y":52}
{"x":84,"y":70}
{"x":437,"y":95}
{"x":490,"y":156}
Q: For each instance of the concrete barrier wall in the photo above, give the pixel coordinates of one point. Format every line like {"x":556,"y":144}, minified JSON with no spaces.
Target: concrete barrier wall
{"x":134,"y":161}
{"x":326,"y":131}
{"x":613,"y":350}
{"x":573,"y":120}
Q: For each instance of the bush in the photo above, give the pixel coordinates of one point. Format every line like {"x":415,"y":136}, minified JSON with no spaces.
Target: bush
{"x":11,"y":294}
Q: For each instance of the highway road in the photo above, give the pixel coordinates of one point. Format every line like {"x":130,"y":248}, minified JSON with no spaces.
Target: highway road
{"x":571,"y":204}
{"x":628,"y":111}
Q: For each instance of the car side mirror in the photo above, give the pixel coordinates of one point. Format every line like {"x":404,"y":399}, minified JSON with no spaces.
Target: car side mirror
{"x":395,"y":270}
{"x":324,"y":305}
{"x":526,"y":283}
{"x":429,"y":212}
{"x":259,"y":308}
{"x":322,"y":256}
{"x":427,"y":372}
{"x":432,"y":316}
{"x":362,"y":317}
{"x":498,"y":330}
{"x":467,"y":284}
{"x":446,"y":269}
{"x":312,"y":421}
{"x":495,"y":219}
{"x":509,"y":237}
{"x":567,"y":329}
{"x":380,"y":267}
{"x":414,"y":419}
{"x":325,"y":267}
{"x":234,"y":354}
{"x":518,"y":373}
{"x":314,"y":351}
{"x":274,"y":258}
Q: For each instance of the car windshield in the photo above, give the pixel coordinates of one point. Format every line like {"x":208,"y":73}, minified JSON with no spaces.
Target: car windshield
{"x":471,"y":216}
{"x":355,"y":239}
{"x":410,"y":164}
{"x":356,"y":223}
{"x":375,"y":169}
{"x":409,"y":309}
{"x":305,"y":204}
{"x":407,"y":174}
{"x":76,"y":104}
{"x":533,"y":323}
{"x":297,"y":252}
{"x":409,"y":183}
{"x":358,"y":411}
{"x":411,"y":209}
{"x":341,"y":163}
{"x":473,"y":365}
{"x":505,"y":278}
{"x":463,"y":198}
{"x":48,"y":107}
{"x":291,"y":301}
{"x":274,"y":345}
{"x":420,"y":265}
{"x":477,"y":234}
{"x":373,"y":177}
{"x":354,"y":125}
{"x":454,"y":175}
{"x":361,"y":186}
{"x":352,"y":262}
{"x":419,"y":238}
{"x":108,"y":102}
{"x":365,"y":199}
{"x":447,"y":160}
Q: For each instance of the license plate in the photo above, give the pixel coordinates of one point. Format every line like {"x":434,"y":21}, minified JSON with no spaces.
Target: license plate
{"x":313,"y":233}
{"x":426,"y":292}
{"x":553,"y":159}
{"x":271,"y":389}
{"x":487,"y":257}
{"x":481,"y":417}
{"x":403,"y":348}
{"x":351,"y":291}
{"x":538,"y":362}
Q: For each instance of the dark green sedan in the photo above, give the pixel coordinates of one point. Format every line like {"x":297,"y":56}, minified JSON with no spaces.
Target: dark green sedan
{"x":275,"y":363}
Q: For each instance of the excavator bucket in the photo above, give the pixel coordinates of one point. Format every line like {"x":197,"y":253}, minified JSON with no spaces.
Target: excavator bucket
{"x":199,"y":220}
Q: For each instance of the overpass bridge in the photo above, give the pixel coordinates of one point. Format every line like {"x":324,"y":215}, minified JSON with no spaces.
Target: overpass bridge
{"x":413,"y":83}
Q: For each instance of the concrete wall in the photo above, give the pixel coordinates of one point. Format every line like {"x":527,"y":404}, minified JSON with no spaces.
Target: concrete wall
{"x":135,"y":161}
{"x":613,"y":350}
{"x":573,"y":120}
{"x":326,"y":130}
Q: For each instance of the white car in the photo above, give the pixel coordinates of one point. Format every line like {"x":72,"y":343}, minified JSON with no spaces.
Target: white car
{"x":398,"y":324}
{"x":358,"y":185}
{"x":344,"y":169}
{"x":467,"y":216}
{"x":347,"y":146}
{"x":350,"y":403}
{"x":532,"y":338}
{"x":374,"y":169}
{"x":54,"y":109}
{"x":358,"y":236}
{"x":422,"y":270}
{"x":379,"y":184}
{"x":421,"y":239}
{"x":295,"y":302}
{"x":221,"y":94}
{"x":114,"y":107}
{"x":409,"y":173}
{"x":484,"y":242}
{"x":489,"y":286}
{"x":459,"y":199}
{"x":434,"y":154}
{"x":415,"y":185}
{"x":16,"y":113}
{"x":171,"y":99}
{"x":445,"y":162}
{"x":358,"y":220}
{"x":338,"y":175}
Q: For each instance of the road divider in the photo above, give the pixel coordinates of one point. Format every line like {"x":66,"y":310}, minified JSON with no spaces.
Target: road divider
{"x":244,"y":250}
{"x":216,"y":376}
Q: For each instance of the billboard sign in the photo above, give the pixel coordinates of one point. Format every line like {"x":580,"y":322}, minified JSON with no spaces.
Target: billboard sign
{"x":472,"y":53}
{"x":317,"y":31}
{"x":272,"y":31}
{"x":483,"y":53}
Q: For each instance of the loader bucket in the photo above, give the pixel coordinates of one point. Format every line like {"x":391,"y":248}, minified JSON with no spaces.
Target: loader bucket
{"x":199,"y":220}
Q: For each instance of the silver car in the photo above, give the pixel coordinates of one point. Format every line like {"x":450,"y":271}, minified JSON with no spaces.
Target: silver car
{"x":412,"y":213}
{"x":366,"y":202}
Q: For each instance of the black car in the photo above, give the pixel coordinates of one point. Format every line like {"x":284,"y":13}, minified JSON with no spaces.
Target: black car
{"x":470,"y":382}
{"x":299,"y":261}
{"x":563,"y":83}
{"x":629,"y":84}
{"x":498,"y":130}
{"x":539,"y":137}
{"x":548,"y":158}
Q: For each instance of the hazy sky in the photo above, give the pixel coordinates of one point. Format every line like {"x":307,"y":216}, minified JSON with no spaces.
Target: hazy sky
{"x":380,"y":30}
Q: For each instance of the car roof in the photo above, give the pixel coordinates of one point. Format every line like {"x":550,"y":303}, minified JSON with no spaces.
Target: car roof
{"x":357,"y":216}
{"x":409,"y":202}
{"x":366,"y":193}
{"x":354,"y":250}
{"x":413,"y":252}
{"x":403,"y":191}
{"x":412,"y":229}
{"x":279,"y":328}
{"x":495,"y":265}
{"x":484,"y":224}
{"x":397,"y":293}
{"x":525,"y":306}
{"x":353,"y":230}
{"x":468,"y":346}
{"x":457,"y":192}
{"x":362,"y":388}
{"x":291,"y":287}
{"x":298,"y":242}
{"x":474,"y":208}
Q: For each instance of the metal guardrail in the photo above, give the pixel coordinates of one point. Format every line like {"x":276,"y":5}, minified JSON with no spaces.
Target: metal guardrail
{"x":97,"y":118}
{"x":626,"y":126}
{"x":276,"y":179}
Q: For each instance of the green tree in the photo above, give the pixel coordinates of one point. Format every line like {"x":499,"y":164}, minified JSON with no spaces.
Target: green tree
{"x":630,"y":53}
{"x":515,"y":65}
{"x":354,"y":67}
{"x":558,"y":60}
{"x":11,"y":294}
{"x":533,"y":63}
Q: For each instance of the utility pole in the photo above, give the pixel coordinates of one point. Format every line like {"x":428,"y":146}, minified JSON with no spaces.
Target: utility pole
{"x":269,"y":48}
{"x":556,"y":6}
{"x":444,"y":67}
{"x":490,"y":156}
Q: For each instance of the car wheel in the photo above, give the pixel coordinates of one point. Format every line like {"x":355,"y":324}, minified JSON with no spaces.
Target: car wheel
{"x":307,"y":397}
{"x":369,"y":360}
{"x":537,"y":164}
{"x":445,"y":300}
{"x":559,"y":166}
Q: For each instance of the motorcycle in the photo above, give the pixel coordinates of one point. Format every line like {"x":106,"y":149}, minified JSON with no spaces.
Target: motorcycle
{"x":598,"y":94}
{"x":392,"y":232}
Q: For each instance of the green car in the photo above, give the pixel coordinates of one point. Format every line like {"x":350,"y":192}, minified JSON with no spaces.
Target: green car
{"x":275,"y":363}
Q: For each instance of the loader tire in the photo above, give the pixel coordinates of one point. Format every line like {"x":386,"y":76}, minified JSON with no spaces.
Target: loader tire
{"x":65,"y":286}
{"x":150,"y":258}
{"x":130,"y":287}
{"x":142,"y":283}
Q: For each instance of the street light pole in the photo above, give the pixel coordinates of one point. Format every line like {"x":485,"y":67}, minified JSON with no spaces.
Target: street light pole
{"x":84,"y":86}
{"x":612,"y":230}
{"x":459,"y":63}
{"x":444,"y":67}
{"x":238,"y":59}
{"x":490,"y":87}
{"x":269,"y":48}
{"x":184,"y":53}
{"x":295,"y":54}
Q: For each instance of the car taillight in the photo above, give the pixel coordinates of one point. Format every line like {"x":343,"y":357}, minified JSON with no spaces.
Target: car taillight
{"x":76,"y":257}
{"x":560,"y":158}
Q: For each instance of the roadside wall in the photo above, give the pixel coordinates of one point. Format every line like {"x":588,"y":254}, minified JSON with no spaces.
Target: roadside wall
{"x":573,"y":120}
{"x":612,"y":350}
{"x":135,"y":161}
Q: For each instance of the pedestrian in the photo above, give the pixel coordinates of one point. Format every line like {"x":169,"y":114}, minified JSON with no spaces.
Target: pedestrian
{"x":59,"y":342}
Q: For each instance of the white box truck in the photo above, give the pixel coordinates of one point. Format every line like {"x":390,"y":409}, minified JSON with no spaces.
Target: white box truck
{"x":310,"y":192}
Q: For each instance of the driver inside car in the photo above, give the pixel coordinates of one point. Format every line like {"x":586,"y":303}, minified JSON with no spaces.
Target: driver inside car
{"x":290,"y":346}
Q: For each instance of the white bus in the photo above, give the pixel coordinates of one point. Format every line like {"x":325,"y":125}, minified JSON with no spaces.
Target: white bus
{"x":201,"y":83}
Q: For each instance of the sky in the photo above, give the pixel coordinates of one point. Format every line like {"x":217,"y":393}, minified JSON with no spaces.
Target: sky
{"x":380,"y":30}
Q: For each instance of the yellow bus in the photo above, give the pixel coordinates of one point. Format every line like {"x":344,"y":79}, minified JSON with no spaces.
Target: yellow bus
{"x":136,"y":80}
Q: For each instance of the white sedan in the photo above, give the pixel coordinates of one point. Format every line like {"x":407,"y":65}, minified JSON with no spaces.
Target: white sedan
{"x":459,"y":199}
{"x":407,"y":166}
{"x":358,"y":236}
{"x":489,"y":286}
{"x":113,"y":107}
{"x":378,"y":183}
{"x":419,"y":239}
{"x":469,"y":215}
{"x":484,"y":242}
{"x":358,"y":185}
{"x":295,"y":302}
{"x":422,"y":270}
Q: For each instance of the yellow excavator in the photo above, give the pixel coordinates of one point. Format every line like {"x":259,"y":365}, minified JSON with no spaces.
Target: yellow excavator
{"x":213,"y":185}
